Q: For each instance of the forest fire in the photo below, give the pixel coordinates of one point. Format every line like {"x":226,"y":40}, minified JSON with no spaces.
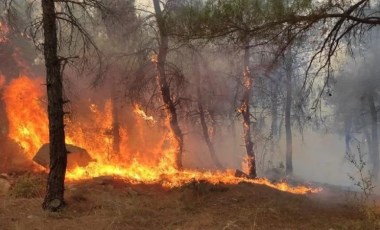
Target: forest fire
{"x":25,"y":108}
{"x":212,"y":114}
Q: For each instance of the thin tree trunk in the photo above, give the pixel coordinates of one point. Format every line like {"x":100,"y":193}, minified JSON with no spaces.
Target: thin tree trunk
{"x":245,"y":110}
{"x":206,"y":134}
{"x":347,"y":133}
{"x":274,"y":101}
{"x":164,"y":86}
{"x":369,"y":141}
{"x":375,"y":138}
{"x":214,"y":124}
{"x":3,"y":133}
{"x":54,"y":199}
{"x":115,"y":127}
{"x":274,"y":116}
{"x":288,"y":126}
{"x":232,"y":113}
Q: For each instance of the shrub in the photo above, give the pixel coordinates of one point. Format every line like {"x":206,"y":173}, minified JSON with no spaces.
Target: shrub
{"x":28,"y":186}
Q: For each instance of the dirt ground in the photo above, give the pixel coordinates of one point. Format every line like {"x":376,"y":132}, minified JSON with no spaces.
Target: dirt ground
{"x":107,"y":203}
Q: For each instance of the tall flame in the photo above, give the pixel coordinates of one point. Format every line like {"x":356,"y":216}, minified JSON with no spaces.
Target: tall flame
{"x":153,"y":162}
{"x":27,"y":118}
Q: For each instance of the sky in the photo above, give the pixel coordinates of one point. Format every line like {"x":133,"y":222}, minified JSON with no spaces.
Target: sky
{"x":144,"y":4}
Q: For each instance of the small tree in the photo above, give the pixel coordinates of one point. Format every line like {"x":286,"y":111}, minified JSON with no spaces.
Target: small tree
{"x":164,"y":85}
{"x":58,"y":49}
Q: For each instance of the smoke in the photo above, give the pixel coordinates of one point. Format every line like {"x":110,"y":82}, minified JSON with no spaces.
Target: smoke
{"x":322,"y":155}
{"x":97,"y":116}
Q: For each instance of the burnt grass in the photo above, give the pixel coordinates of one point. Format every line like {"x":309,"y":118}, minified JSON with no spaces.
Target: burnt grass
{"x":108,"y":203}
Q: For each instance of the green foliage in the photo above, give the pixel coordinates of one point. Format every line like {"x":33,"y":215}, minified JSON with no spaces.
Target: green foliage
{"x":236,"y":19}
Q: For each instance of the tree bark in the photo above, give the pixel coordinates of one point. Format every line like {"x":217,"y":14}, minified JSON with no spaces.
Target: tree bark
{"x":54,"y":199}
{"x":214,"y":125}
{"x":245,"y":110}
{"x":375,"y":139}
{"x":274,"y":111}
{"x":115,"y":127}
{"x":164,"y":86}
{"x":288,"y":125}
{"x":205,"y":132}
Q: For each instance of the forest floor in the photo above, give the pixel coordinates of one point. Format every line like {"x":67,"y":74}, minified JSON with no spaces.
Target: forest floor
{"x":106,"y":203}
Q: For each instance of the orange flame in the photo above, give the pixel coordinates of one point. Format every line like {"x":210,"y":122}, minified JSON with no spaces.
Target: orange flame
{"x":142,"y":114}
{"x":27,"y":118}
{"x":92,"y":130}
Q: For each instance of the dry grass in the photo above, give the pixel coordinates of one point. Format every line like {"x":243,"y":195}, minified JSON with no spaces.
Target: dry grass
{"x":118,"y":205}
{"x":28,"y":186}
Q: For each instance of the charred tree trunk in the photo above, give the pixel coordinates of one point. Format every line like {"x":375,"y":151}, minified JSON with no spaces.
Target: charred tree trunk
{"x":245,"y":111}
{"x":274,"y":111}
{"x":375,"y":139}
{"x":214,"y":124}
{"x":206,"y":136}
{"x":115,"y":127}
{"x":3,"y":117}
{"x":3,"y":132}
{"x":164,"y":86}
{"x":205,"y":132}
{"x":288,"y":125}
{"x":54,"y":199}
{"x":274,"y":116}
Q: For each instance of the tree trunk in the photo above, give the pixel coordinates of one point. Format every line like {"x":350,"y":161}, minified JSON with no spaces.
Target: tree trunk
{"x":347,"y":133}
{"x":3,"y":133}
{"x":164,"y":86}
{"x":368,"y":137}
{"x":375,"y":140}
{"x":115,"y":127}
{"x":54,"y":199}
{"x":206,"y":134}
{"x":214,"y":125}
{"x":274,"y":112}
{"x":288,"y":125}
{"x":245,"y":110}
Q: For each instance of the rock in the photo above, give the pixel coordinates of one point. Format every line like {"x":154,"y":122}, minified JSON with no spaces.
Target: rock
{"x":5,"y":185}
{"x":76,"y":156}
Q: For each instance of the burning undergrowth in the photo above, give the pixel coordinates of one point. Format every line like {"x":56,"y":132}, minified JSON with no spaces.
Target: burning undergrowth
{"x":145,"y":153}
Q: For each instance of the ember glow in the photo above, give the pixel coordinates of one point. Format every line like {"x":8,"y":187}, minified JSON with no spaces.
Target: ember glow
{"x":153,"y":163}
